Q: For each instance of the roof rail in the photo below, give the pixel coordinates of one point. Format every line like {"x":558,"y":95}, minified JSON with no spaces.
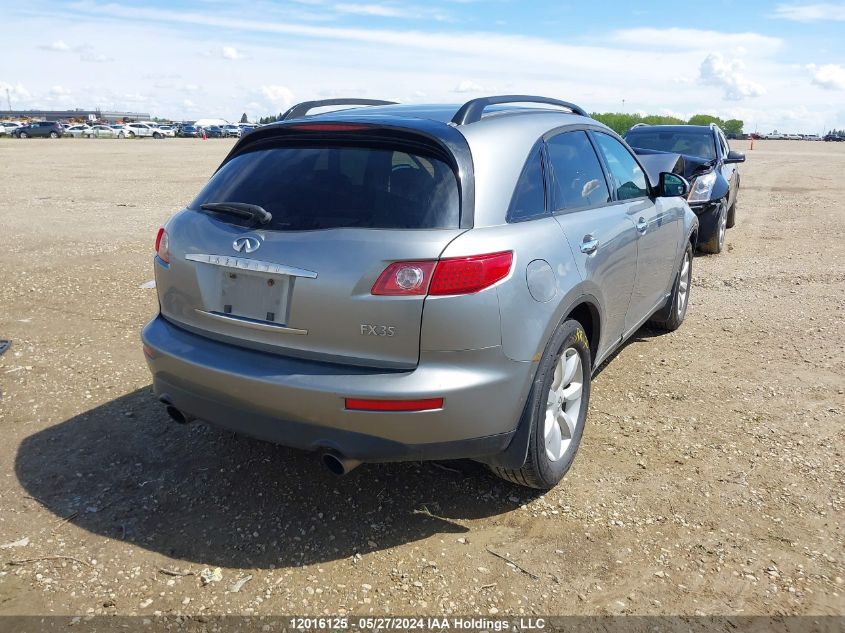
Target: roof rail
{"x":302,"y":109}
{"x":472,"y":110}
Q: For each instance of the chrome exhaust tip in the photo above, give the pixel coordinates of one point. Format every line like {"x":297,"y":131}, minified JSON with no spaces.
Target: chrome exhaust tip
{"x":338,"y":464}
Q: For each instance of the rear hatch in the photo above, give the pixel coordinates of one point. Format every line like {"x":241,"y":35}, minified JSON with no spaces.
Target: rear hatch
{"x":345,"y":204}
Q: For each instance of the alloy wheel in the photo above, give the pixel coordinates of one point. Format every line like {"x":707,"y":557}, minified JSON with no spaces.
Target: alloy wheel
{"x":683,"y":285}
{"x":563,"y":405}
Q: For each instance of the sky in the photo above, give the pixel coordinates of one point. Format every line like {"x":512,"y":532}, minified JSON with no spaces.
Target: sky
{"x":773,"y":65}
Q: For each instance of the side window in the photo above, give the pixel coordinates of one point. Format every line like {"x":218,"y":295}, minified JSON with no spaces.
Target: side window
{"x":577,"y":174}
{"x":628,"y":179}
{"x":529,"y":197}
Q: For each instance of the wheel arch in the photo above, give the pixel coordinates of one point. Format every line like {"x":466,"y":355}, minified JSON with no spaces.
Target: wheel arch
{"x":584,"y":309}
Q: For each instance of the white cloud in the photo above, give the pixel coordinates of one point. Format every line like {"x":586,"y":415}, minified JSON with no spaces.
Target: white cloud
{"x":811,"y":12}
{"x":829,"y":76}
{"x":230,"y":52}
{"x":95,"y":58}
{"x":715,"y":70}
{"x":60,"y":46}
{"x":467,"y":85}
{"x":697,"y":40}
{"x":378,"y":10}
{"x":280,"y":97}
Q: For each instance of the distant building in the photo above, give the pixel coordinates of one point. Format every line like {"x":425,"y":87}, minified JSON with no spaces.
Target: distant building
{"x":60,"y":115}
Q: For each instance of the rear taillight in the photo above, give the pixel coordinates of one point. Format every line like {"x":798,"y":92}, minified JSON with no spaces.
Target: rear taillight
{"x":450,"y":276}
{"x":404,"y":278}
{"x":464,"y":275}
{"x":163,"y":246}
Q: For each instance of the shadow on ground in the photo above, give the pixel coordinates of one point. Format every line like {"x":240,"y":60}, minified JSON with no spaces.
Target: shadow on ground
{"x":124,"y":471}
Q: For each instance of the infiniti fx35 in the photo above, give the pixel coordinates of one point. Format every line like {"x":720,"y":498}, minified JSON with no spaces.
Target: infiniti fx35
{"x":416,"y":282}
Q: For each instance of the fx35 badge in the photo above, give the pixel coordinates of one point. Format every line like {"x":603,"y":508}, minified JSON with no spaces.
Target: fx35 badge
{"x":377,"y":330}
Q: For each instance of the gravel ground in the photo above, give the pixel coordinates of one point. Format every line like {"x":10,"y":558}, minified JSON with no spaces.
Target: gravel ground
{"x":710,"y":478}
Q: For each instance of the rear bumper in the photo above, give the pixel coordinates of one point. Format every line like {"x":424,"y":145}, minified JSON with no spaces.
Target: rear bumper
{"x":300,"y":403}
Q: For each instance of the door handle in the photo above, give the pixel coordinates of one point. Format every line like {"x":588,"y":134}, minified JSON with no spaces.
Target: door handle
{"x":589,"y":245}
{"x":642,"y":225}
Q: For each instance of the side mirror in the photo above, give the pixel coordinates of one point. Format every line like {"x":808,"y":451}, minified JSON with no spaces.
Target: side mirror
{"x":672,"y":186}
{"x":735,"y":157}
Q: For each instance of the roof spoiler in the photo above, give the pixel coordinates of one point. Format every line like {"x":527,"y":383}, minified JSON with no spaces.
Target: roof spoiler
{"x":473,"y":110}
{"x":302,"y":109}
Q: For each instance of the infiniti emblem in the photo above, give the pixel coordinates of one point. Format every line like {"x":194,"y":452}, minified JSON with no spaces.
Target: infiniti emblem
{"x":246,"y":244}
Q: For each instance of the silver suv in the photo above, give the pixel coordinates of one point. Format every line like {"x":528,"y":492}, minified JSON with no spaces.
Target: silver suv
{"x":409,"y":282}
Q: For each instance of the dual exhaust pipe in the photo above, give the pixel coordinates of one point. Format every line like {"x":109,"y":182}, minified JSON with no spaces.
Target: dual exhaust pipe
{"x":333,"y":460}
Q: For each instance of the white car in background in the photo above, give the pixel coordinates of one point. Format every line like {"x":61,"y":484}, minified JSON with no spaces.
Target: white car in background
{"x":121,"y":130}
{"x":6,"y":127}
{"x":77,"y":131}
{"x":141,"y":130}
{"x":168,"y":130}
{"x":103,"y":131}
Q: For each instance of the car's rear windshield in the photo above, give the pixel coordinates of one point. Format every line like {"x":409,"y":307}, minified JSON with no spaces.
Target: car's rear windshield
{"x":323,"y":187}
{"x":699,"y":144}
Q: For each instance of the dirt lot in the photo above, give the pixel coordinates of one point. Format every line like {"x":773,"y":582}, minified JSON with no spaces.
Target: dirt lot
{"x":710,"y":480}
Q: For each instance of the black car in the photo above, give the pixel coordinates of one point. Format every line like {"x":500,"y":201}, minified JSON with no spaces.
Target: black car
{"x":214,"y":131}
{"x":187,"y":131}
{"x":710,"y":166}
{"x":43,"y":129}
{"x":834,"y":137}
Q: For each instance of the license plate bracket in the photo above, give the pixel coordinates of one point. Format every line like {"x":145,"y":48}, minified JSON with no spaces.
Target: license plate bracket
{"x":254,"y":296}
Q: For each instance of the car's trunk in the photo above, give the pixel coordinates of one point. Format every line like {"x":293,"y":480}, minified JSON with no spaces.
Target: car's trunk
{"x":301,"y":283}
{"x":304,"y":293}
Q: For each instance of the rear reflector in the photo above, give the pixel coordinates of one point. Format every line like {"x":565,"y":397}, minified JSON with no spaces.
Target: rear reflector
{"x":328,"y":127}
{"x":148,"y":351}
{"x":427,"y":404}
{"x":464,"y":275}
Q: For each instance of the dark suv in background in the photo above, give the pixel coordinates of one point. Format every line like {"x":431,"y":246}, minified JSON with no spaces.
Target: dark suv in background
{"x":44,"y":129}
{"x":708,"y":163}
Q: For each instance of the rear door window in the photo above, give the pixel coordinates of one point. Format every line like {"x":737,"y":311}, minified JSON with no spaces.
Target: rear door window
{"x":629,"y":180}
{"x":577,"y":176}
{"x":323,"y":187}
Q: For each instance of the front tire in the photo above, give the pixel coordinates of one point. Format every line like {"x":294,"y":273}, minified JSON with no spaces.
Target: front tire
{"x":732,"y":216}
{"x":557,"y":409}
{"x":671,"y":316}
{"x":54,"y":135}
{"x":156,"y":135}
{"x":132,"y":135}
{"x":23,"y":135}
{"x":716,"y":243}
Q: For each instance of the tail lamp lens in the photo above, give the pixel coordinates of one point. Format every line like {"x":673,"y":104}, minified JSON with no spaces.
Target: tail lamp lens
{"x":450,"y":276}
{"x":404,"y":278}
{"x":465,"y":275}
{"x":163,"y":246}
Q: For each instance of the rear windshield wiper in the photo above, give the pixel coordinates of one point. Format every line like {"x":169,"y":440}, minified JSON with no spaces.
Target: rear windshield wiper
{"x":239,"y":209}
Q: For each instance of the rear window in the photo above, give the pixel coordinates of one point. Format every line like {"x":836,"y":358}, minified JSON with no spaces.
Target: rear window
{"x":308,"y":188}
{"x":691,"y":143}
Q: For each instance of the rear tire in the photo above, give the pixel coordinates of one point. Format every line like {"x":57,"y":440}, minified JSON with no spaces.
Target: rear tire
{"x":54,"y":135}
{"x":670,"y":317}
{"x":132,"y":135}
{"x":23,"y":135}
{"x":556,"y":409}
{"x":156,"y":135}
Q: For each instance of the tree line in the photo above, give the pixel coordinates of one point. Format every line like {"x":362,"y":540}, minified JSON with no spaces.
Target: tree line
{"x":621,"y":122}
